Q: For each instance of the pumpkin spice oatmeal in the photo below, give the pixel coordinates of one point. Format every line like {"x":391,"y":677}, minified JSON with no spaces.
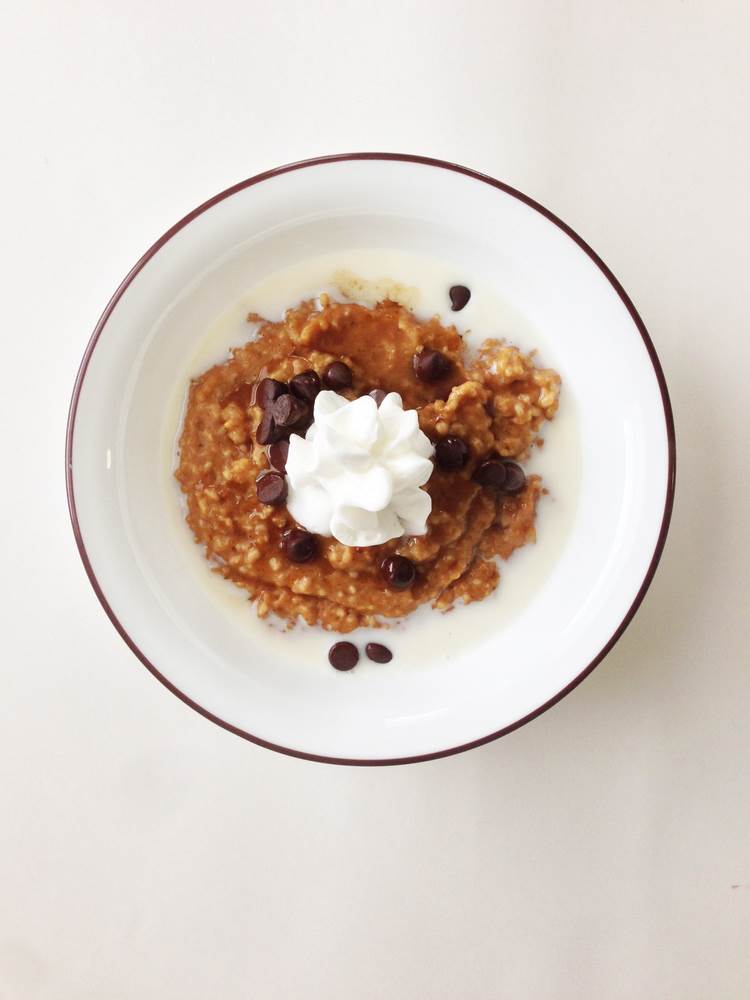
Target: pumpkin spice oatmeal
{"x":351,"y":463}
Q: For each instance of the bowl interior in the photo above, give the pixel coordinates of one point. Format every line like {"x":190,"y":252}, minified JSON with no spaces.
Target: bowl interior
{"x":458,"y":677}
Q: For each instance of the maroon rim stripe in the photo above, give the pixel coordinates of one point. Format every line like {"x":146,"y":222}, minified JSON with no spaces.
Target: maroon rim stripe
{"x":406,"y":158}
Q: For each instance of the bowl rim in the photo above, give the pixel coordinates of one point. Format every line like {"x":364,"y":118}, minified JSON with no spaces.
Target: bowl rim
{"x":477,"y":176}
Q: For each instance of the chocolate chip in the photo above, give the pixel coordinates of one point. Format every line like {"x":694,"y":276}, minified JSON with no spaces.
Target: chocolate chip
{"x":515,"y":479}
{"x":399,"y":572}
{"x":343,"y":655}
{"x":337,"y":376}
{"x":267,"y":390}
{"x":277,"y":453}
{"x":451,"y":453}
{"x":299,"y":546}
{"x":491,"y":473}
{"x":431,"y":366}
{"x":271,"y":488}
{"x":460,"y":296}
{"x":288,"y":410}
{"x":378,"y":395}
{"x":305,"y":386}
{"x":304,"y":425}
{"x":267,"y":432}
{"x":378,"y":653}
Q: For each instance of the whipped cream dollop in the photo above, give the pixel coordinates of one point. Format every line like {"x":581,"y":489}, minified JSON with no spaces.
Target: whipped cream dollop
{"x":357,"y":473}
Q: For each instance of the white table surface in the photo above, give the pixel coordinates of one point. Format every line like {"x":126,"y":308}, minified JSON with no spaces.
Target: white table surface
{"x":602,"y":851}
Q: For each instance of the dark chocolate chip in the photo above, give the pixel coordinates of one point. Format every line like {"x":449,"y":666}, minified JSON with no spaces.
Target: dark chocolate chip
{"x":267,"y":390}
{"x":460,"y":296}
{"x":431,"y":366}
{"x":289,"y":410}
{"x":378,"y":653}
{"x":267,"y":432}
{"x":305,"y":386}
{"x":491,"y":472}
{"x":515,"y":479}
{"x":337,"y":376}
{"x":378,"y":395}
{"x":299,"y":546}
{"x":277,"y":453}
{"x":399,"y":572}
{"x":451,"y":454}
{"x":343,"y":655}
{"x":302,"y":426}
{"x":271,"y":488}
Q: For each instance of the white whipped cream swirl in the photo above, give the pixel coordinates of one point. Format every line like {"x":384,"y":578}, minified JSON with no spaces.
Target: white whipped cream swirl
{"x":357,"y":473}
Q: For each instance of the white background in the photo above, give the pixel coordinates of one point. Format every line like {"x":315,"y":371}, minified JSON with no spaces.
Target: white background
{"x":601,"y":852}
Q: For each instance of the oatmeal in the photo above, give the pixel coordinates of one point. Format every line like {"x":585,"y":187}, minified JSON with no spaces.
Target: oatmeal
{"x":482,"y":415}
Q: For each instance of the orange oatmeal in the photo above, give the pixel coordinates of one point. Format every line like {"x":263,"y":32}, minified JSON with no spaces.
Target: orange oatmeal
{"x":494,"y":403}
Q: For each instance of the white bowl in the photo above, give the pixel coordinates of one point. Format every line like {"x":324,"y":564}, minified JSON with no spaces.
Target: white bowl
{"x":458,"y":680}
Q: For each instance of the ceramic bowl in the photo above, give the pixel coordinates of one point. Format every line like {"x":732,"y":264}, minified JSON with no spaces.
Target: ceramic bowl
{"x":458,"y":679}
